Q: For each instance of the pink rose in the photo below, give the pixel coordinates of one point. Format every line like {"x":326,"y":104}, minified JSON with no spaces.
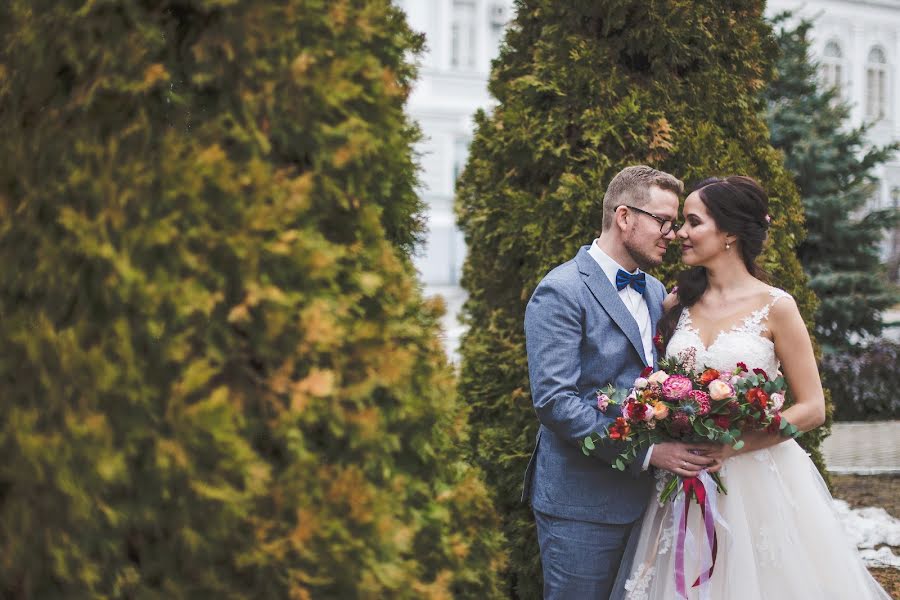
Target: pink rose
{"x":677,"y":387}
{"x":720,"y":390}
{"x":602,"y":402}
{"x":777,"y":401}
{"x":726,"y":376}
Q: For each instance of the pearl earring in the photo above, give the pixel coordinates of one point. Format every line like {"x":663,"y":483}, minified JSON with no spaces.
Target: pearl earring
{"x":727,"y":246}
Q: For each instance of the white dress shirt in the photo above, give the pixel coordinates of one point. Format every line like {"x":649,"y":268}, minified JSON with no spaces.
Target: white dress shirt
{"x":636,"y":305}
{"x":634,"y":302}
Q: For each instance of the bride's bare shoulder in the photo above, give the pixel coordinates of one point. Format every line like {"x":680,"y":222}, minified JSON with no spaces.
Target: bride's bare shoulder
{"x":782,"y":305}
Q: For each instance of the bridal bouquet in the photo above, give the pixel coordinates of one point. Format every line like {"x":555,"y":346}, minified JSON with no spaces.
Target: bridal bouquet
{"x":680,"y":402}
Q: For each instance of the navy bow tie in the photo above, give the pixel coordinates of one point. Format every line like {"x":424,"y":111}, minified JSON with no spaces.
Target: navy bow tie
{"x":636,"y":280}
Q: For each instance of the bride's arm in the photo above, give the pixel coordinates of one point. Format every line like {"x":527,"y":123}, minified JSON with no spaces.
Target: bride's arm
{"x":794,"y":349}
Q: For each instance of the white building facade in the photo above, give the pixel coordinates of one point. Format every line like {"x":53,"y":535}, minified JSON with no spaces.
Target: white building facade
{"x":856,"y":41}
{"x":462,"y":38}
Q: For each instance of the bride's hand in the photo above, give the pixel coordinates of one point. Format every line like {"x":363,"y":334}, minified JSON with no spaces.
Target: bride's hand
{"x":722,"y":452}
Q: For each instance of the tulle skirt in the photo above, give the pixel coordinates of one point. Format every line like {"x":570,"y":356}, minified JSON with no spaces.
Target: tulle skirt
{"x":781,"y":539}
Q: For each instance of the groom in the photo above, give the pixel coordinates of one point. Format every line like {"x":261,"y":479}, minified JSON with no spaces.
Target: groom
{"x":589,"y":323}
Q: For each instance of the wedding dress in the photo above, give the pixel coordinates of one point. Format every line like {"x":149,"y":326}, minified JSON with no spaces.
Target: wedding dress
{"x":783,"y":540}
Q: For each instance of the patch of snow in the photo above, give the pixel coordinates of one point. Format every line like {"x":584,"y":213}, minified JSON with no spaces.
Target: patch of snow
{"x":874,"y":531}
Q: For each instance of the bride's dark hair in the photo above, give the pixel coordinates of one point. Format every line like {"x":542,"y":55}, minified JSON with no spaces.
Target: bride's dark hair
{"x":739,"y":206}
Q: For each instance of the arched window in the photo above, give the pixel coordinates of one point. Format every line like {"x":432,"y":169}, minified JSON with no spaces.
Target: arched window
{"x":876,"y":83}
{"x":833,"y":66}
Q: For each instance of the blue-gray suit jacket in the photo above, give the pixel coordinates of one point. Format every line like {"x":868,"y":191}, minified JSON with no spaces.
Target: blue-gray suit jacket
{"x":580,"y":337}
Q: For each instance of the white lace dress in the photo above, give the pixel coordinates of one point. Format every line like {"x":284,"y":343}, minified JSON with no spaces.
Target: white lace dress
{"x":784,"y":540}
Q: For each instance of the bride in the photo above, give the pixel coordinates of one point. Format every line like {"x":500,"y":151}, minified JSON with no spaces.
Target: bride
{"x":781,"y":538}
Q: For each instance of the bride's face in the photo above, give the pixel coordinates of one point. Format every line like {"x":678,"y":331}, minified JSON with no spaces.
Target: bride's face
{"x":701,"y":239}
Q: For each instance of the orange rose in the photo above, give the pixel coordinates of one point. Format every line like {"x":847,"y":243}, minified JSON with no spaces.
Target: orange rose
{"x":708,"y":376}
{"x":660,"y":411}
{"x":619,"y":430}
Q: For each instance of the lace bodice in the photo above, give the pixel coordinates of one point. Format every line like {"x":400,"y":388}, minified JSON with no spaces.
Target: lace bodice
{"x":743,"y":342}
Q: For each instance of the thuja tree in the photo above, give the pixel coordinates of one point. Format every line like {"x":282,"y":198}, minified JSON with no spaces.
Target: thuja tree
{"x":832,"y":165}
{"x":218,"y":375}
{"x":585,"y":88}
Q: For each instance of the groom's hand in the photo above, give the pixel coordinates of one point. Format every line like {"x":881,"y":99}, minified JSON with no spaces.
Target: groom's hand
{"x":684,"y":460}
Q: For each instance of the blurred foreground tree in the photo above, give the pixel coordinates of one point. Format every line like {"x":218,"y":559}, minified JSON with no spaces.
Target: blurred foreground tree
{"x":218,"y":374}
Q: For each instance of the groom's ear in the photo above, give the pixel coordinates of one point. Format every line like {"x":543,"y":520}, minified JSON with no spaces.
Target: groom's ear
{"x":621,"y":218}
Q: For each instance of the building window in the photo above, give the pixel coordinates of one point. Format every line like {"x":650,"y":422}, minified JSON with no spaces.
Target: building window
{"x":460,"y":156}
{"x":876,"y":83}
{"x":498,"y":19}
{"x":833,"y":66}
{"x":462,"y":35}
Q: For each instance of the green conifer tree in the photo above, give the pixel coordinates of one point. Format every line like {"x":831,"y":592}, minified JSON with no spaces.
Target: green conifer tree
{"x":585,"y":88}
{"x":832,"y":165}
{"x":219,"y":378}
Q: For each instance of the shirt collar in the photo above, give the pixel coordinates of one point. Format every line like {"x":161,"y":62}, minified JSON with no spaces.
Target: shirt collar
{"x":609,"y":266}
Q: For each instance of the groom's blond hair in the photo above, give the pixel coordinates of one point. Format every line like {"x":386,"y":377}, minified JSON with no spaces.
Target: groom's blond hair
{"x":632,"y":186}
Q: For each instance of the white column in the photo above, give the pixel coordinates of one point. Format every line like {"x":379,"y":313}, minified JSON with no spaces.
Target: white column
{"x":482,"y":36}
{"x":857,"y":66}
{"x":894,"y":86}
{"x":440,"y":31}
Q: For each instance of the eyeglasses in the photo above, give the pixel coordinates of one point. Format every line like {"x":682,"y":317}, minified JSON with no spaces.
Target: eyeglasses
{"x":665,"y":225}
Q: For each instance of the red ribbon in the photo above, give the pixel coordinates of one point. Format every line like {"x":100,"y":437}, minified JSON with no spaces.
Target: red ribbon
{"x":692,"y":486}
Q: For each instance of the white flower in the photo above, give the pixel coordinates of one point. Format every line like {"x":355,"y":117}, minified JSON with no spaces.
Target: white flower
{"x":640,"y":383}
{"x":658,"y":377}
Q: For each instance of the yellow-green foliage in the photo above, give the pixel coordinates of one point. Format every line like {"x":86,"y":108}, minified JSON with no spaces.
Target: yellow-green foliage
{"x":584,"y":89}
{"x":219,"y":378}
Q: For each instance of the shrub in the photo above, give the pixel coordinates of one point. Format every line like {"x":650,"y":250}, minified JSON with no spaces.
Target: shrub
{"x":585,"y":88}
{"x":219,"y":377}
{"x":864,"y":381}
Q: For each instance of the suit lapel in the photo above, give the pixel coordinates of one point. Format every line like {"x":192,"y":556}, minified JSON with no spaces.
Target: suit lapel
{"x":596,"y":281}
{"x":654,"y":304}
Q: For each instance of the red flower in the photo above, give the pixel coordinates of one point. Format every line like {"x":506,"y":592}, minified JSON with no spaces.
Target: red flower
{"x":743,"y":366}
{"x":757,"y":397}
{"x":635,"y":411}
{"x":702,"y":400}
{"x":646,"y":371}
{"x":619,"y":430}
{"x":761,"y":373}
{"x":708,"y":376}
{"x":681,"y":425}
{"x":775,"y":425}
{"x":658,"y":342}
{"x":723,"y":421}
